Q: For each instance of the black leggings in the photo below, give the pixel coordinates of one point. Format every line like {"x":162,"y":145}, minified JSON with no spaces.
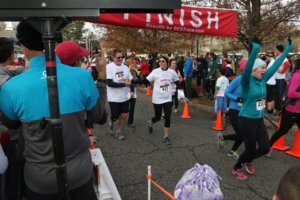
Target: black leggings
{"x":279,"y":90}
{"x":252,"y":131}
{"x":175,"y":99}
{"x":131,"y":110}
{"x":288,"y":119}
{"x":233,"y":116}
{"x":167,"y":111}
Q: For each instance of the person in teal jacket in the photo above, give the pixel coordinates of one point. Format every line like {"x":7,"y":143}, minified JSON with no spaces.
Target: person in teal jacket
{"x":251,"y":115}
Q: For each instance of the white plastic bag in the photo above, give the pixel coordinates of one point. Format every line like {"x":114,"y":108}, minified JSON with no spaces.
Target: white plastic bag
{"x":199,"y":183}
{"x":180,"y":94}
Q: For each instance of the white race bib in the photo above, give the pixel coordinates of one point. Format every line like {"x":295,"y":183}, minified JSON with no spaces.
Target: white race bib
{"x":260,"y":104}
{"x":119,"y":75}
{"x":208,"y":69}
{"x":164,"y":89}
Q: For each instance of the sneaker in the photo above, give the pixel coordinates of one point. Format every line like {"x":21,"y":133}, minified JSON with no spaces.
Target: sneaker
{"x":131,"y":125}
{"x":250,"y":168}
{"x":185,"y":99}
{"x":233,"y":154}
{"x":175,"y":110}
{"x":149,"y":125}
{"x":239,"y":174}
{"x":110,"y":128}
{"x":120,"y":136}
{"x":220,"y":140}
{"x":269,"y":155}
{"x":167,"y":141}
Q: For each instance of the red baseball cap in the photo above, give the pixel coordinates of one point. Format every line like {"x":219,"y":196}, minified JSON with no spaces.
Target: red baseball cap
{"x":69,"y":52}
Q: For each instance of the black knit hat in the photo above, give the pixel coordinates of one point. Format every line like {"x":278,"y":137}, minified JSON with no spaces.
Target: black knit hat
{"x":29,"y":37}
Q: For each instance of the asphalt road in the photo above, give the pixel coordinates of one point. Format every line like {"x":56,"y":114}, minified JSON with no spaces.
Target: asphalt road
{"x":193,"y":142}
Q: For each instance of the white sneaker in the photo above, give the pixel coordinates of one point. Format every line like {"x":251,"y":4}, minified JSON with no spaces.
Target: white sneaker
{"x":110,"y":128}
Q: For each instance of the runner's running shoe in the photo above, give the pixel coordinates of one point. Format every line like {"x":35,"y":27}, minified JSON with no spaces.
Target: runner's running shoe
{"x":220,"y":140}
{"x":167,"y":141}
{"x":149,"y":125}
{"x":269,"y":155}
{"x":120,"y":135}
{"x":233,"y":154}
{"x":249,"y":168}
{"x":110,"y":127}
{"x":239,"y":174}
{"x":131,"y":125}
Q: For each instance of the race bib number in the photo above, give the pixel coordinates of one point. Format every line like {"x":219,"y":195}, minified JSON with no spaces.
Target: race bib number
{"x":208,"y":69}
{"x":119,"y":75}
{"x":164,"y":88}
{"x":260,"y":104}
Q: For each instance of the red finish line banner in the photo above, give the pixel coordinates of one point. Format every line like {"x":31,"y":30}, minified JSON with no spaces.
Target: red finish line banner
{"x":210,"y":22}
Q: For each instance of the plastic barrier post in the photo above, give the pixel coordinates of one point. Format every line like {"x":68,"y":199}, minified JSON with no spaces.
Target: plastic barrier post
{"x":150,"y":180}
{"x":149,"y":183}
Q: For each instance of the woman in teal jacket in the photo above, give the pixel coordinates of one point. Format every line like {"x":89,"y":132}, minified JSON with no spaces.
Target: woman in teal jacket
{"x":251,"y":115}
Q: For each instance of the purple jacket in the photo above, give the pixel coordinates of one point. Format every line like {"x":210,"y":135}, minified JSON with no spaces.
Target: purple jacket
{"x":294,"y":93}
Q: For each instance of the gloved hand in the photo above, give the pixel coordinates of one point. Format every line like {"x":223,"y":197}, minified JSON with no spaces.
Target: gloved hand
{"x":289,"y":40}
{"x":256,"y":40}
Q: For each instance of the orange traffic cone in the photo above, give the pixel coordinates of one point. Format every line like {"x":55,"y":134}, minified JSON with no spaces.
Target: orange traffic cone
{"x":296,"y":148}
{"x":186,"y":114}
{"x":279,"y":144}
{"x":149,"y":94}
{"x":219,"y":125}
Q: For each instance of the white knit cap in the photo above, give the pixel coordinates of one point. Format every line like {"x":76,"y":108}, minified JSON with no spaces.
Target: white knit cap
{"x":258,"y":63}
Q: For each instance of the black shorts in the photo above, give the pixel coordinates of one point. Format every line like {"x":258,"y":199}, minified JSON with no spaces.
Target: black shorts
{"x":117,"y":109}
{"x":270,"y":92}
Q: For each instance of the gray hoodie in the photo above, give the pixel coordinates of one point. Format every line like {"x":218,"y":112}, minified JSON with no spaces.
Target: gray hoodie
{"x":5,"y":75}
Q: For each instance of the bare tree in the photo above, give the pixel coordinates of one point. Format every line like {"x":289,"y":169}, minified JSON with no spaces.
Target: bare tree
{"x":267,"y":20}
{"x":146,"y":41}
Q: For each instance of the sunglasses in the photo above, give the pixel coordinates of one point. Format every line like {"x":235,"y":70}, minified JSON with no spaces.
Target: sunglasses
{"x":161,"y":61}
{"x":119,"y":57}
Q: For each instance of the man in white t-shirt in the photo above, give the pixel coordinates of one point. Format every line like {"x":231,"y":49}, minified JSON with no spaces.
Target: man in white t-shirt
{"x":280,"y":78}
{"x":118,"y":81}
{"x":271,"y":84}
